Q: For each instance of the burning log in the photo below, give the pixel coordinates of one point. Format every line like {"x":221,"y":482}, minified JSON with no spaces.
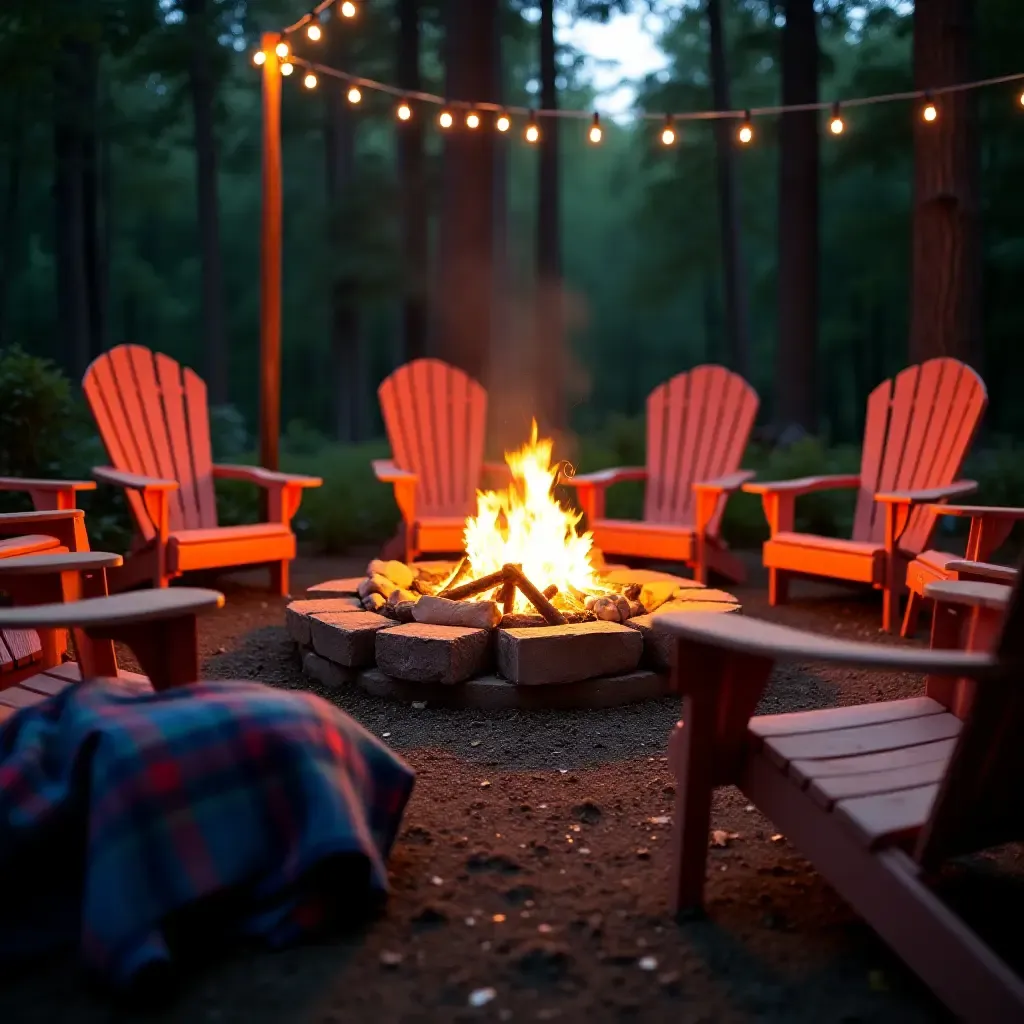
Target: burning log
{"x":551,"y":614}
{"x":517,"y":621}
{"x":508,"y":593}
{"x":550,"y":591}
{"x":471,"y":589}
{"x":457,"y":573}
{"x":442,"y":611}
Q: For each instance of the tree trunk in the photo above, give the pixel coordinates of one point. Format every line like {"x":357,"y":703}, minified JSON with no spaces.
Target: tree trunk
{"x":737,"y":307}
{"x":92,"y":229}
{"x":946,"y":258}
{"x":413,"y":191}
{"x":797,"y":347}
{"x":466,"y":237}
{"x":549,"y":337}
{"x":203,"y":88}
{"x":10,"y":238}
{"x":339,"y":151}
{"x":68,"y":208}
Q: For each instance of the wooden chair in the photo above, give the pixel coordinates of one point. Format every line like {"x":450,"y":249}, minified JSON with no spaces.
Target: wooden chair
{"x":698,"y":425}
{"x":158,"y":627}
{"x":153,"y":418}
{"x":989,"y":529}
{"x":436,"y":421}
{"x":918,"y":430}
{"x":876,"y":796}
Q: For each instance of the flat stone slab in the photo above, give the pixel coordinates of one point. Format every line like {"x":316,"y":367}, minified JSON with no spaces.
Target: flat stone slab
{"x":567,"y":654}
{"x":491,"y":693}
{"x":326,"y":673}
{"x":347,"y":638}
{"x":336,"y":588}
{"x":424,"y":653}
{"x":297,"y":614}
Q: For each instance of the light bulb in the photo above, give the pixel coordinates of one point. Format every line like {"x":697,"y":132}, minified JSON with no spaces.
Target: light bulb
{"x":354,"y":94}
{"x":348,"y":9}
{"x":309,"y":81}
{"x":1021,"y":99}
{"x":259,"y":58}
{"x":313,"y":32}
{"x":445,"y":120}
{"x":503,"y":123}
{"x":404,"y":111}
{"x":595,"y":130}
{"x":836,"y":126}
{"x":472,"y":119}
{"x":281,"y":49}
{"x":532,"y":131}
{"x":287,"y":69}
{"x":746,"y":132}
{"x":668,"y":133}
{"x":929,"y":112}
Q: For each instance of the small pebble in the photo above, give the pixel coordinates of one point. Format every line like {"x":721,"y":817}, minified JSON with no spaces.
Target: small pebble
{"x":390,"y":959}
{"x":385,"y":734}
{"x":474,"y":743}
{"x":437,"y":880}
{"x":481,"y":996}
{"x":485,"y":784}
{"x":419,"y":705}
{"x":648,"y":963}
{"x":498,"y":918}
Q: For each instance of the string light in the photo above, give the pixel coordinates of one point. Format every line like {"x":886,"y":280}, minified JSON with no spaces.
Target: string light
{"x":348,"y":9}
{"x":354,"y":94}
{"x":287,"y":69}
{"x":532,"y":130}
{"x":259,"y":58}
{"x":1021,"y":99}
{"x":445,"y":120}
{"x":403,"y":111}
{"x":836,"y":125}
{"x":929,"y":111}
{"x":281,"y":49}
{"x":472,"y":119}
{"x":504,"y":122}
{"x":309,"y":81}
{"x":595,"y":130}
{"x":746,"y":132}
{"x":313,"y":32}
{"x":668,"y":133}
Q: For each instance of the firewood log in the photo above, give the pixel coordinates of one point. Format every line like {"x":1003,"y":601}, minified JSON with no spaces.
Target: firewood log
{"x":399,"y":596}
{"x":622,"y":607}
{"x":373,"y":602}
{"x":606,"y":609}
{"x":439,"y":611}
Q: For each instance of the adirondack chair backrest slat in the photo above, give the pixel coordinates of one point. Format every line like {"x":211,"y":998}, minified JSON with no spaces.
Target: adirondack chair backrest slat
{"x":981,"y":799}
{"x":153,"y":418}
{"x":698,"y":425}
{"x":919,"y":428}
{"x":436,"y":419}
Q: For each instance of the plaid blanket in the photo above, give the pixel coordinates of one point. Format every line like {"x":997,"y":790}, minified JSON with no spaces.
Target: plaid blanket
{"x":122,"y":813}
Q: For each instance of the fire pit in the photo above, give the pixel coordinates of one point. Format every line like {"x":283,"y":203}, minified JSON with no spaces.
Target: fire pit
{"x":529,"y":617}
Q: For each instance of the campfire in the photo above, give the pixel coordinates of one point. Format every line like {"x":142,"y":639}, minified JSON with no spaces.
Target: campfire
{"x":526,"y":564}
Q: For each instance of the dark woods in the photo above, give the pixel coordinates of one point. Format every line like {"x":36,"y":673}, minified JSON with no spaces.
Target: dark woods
{"x":570,"y":278}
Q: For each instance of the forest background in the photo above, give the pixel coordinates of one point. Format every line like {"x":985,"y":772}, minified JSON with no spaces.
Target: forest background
{"x":570,"y":278}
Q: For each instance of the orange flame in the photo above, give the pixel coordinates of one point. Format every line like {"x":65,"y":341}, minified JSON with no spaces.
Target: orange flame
{"x":524,"y":525}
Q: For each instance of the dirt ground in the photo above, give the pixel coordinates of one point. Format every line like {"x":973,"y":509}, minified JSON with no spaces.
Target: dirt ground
{"x":532,"y":873}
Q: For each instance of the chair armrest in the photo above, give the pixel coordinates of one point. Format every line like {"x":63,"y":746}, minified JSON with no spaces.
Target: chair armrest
{"x":804,"y":485}
{"x":983,"y":572}
{"x":781,"y":643}
{"x":725,"y":484}
{"x":969,"y":593}
{"x":35,"y":518}
{"x":606,"y":477}
{"x":927,"y":495}
{"x":980,"y":511}
{"x":65,"y":526}
{"x":11,"y":483}
{"x":132,"y":481}
{"x":50,"y":562}
{"x":264,"y":477}
{"x":388,"y":473}
{"x":119,"y":610}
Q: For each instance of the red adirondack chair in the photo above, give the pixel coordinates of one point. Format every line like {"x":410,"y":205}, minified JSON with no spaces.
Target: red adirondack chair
{"x":153,"y":418}
{"x":698,"y":425}
{"x":876,"y":796}
{"x":919,"y":428}
{"x":436,"y":420}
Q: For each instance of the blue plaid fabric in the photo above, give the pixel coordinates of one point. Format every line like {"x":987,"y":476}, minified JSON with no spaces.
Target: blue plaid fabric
{"x":121,"y":811}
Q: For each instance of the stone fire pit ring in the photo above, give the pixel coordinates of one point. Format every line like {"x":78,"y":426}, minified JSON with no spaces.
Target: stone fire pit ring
{"x":591,"y":664}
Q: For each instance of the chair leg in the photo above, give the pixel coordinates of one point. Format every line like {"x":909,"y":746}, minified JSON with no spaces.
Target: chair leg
{"x":778,"y":587}
{"x":912,"y":615}
{"x":280,"y":577}
{"x":890,"y":606}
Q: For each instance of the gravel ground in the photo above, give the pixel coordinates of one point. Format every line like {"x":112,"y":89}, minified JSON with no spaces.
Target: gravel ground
{"x":534,"y":862}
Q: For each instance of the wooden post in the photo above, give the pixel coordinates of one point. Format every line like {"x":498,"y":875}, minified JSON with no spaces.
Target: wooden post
{"x":270,"y":258}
